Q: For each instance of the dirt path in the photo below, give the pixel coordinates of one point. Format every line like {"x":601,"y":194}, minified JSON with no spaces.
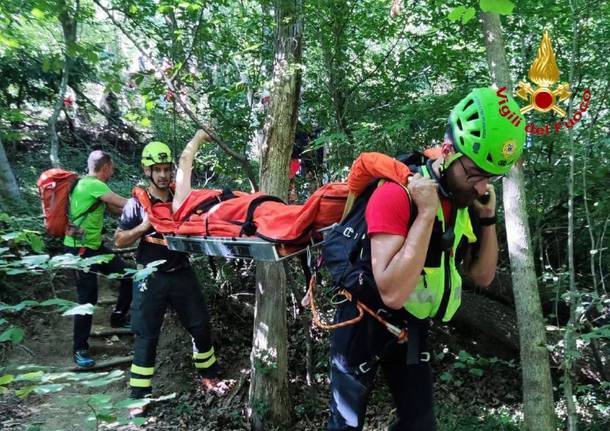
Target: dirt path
{"x":49,"y":339}
{"x":50,"y":342}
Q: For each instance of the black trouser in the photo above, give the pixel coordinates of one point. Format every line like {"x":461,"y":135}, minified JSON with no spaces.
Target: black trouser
{"x":151,"y":297}
{"x":353,"y":371}
{"x":86,"y":288}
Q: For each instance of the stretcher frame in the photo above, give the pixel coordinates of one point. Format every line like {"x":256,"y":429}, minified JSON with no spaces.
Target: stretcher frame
{"x":236,"y":247}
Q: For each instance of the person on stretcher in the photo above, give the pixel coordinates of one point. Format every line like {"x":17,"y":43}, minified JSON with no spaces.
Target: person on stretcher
{"x":223,"y":213}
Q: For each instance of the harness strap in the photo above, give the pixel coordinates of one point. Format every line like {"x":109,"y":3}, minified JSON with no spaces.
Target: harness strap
{"x":316,"y":315}
{"x":401,"y":334}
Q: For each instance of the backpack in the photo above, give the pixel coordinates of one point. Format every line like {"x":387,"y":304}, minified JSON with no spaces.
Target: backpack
{"x":55,"y":187}
{"x":347,"y":249}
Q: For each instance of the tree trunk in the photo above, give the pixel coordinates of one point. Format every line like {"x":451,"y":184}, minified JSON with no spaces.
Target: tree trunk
{"x":67,"y":18}
{"x":569,"y":339}
{"x":9,"y":190}
{"x":269,"y":397}
{"x":537,"y":385}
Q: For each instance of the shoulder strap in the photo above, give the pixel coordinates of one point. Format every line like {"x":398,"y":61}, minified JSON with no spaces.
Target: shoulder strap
{"x":249,"y":227}
{"x":82,"y":215}
{"x":142,"y":197}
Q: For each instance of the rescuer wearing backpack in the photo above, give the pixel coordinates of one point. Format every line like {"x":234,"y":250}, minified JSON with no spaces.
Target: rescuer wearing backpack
{"x":88,"y":200}
{"x":173,"y":284}
{"x":407,"y":265}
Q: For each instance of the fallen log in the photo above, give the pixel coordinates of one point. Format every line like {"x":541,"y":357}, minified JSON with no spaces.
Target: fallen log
{"x":494,"y":320}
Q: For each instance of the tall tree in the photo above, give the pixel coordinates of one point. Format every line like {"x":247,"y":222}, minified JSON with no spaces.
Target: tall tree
{"x":537,"y":385}
{"x":269,"y":397}
{"x":571,"y":350}
{"x":67,"y":14}
{"x":9,"y":190}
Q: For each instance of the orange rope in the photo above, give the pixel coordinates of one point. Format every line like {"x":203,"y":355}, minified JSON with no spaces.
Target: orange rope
{"x":316,"y":316}
{"x":401,"y":333}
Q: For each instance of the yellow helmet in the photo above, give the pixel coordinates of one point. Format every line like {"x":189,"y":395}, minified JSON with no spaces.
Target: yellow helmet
{"x":155,"y":153}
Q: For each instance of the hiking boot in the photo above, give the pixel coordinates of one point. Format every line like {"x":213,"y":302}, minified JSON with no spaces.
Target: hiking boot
{"x":82,"y":359}
{"x":118,"y":319}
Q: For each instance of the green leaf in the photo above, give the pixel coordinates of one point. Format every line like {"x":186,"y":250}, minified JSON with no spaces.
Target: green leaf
{"x":99,"y":399}
{"x":62,"y":303}
{"x":476,"y":372}
{"x":446,"y":377}
{"x":456,"y":13}
{"x":49,"y":389}
{"x":10,"y":236}
{"x":46,"y":65}
{"x":145,"y":272}
{"x":36,"y":243}
{"x":165,"y":9}
{"x":502,"y":7}
{"x":80,"y":310}
{"x":21,"y":306}
{"x":13,"y":334}
{"x":25,"y":391}
{"x":30,"y":377}
{"x":138,"y":421}
{"x":601,"y":332}
{"x":34,"y":260}
{"x":253,"y":47}
{"x":15,"y":271}
{"x":106,"y":417}
{"x":103,"y":381}
{"x":145,"y":122}
{"x":10,"y":43}
{"x":468,"y":15}
{"x":6,"y":379}
{"x":37,"y":13}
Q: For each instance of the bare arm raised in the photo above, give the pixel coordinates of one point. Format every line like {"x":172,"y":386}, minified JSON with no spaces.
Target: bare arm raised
{"x":185,"y":168}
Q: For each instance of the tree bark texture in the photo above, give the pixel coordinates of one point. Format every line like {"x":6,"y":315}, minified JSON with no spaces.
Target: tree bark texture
{"x":537,"y":385}
{"x":571,"y":350}
{"x":269,"y":398}
{"x":9,"y":190}
{"x":68,"y":21}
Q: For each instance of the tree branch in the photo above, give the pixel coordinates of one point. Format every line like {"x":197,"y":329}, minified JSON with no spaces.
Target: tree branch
{"x":243,"y":161}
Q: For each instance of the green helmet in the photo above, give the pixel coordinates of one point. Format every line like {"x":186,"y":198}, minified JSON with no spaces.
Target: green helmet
{"x":488,"y":127}
{"x":156,"y":152}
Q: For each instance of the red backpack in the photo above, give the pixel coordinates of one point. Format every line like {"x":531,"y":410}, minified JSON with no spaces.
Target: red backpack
{"x":55,"y":187}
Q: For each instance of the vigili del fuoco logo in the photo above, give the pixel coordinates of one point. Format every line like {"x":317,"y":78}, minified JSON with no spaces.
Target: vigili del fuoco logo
{"x":545,"y":73}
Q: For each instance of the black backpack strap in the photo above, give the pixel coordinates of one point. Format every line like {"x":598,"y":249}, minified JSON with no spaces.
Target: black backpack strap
{"x":206,"y":205}
{"x":92,"y":208}
{"x":249,"y":227}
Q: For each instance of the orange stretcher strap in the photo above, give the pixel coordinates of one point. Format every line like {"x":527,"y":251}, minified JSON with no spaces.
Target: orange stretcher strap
{"x":153,"y":240}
